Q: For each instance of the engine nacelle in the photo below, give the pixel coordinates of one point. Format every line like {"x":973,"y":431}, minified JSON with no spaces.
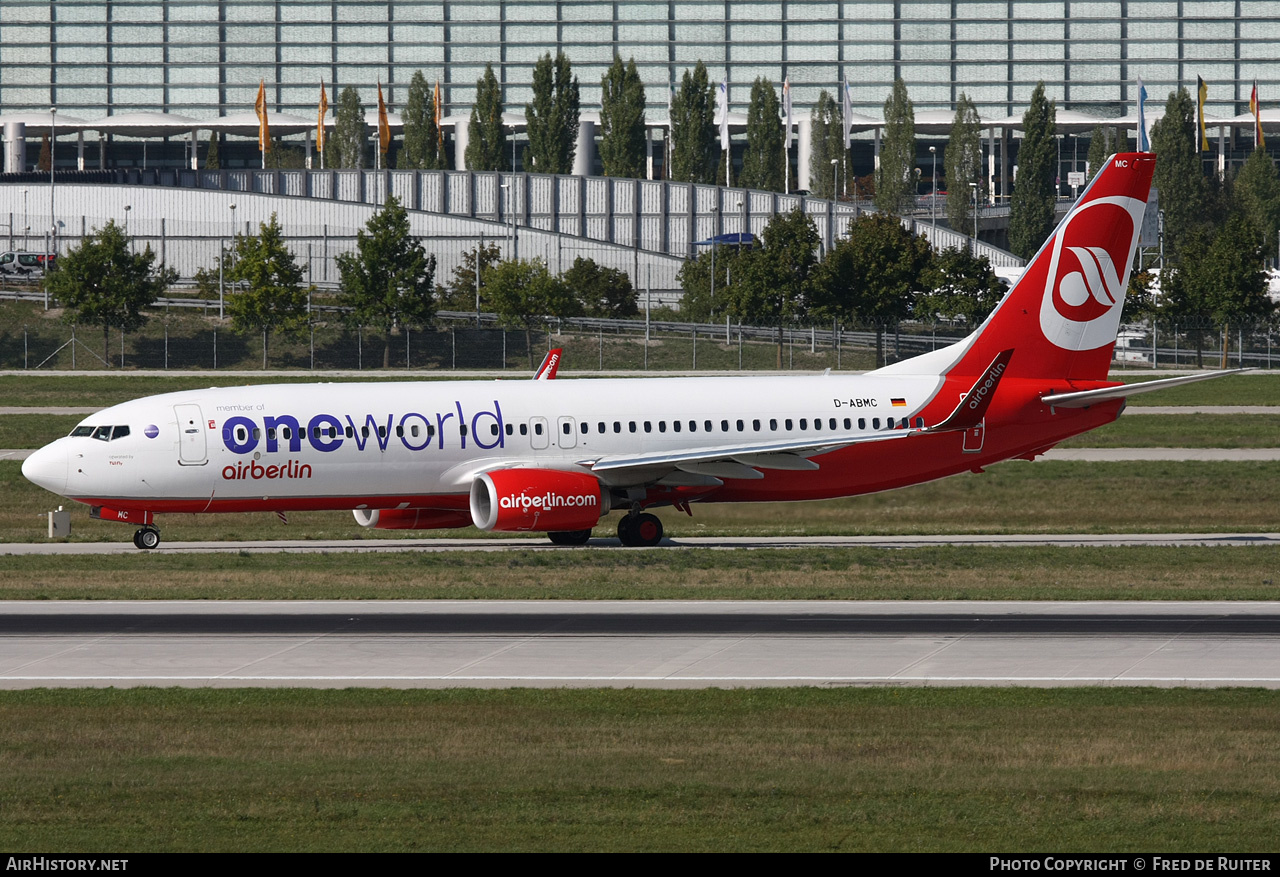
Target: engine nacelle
{"x":546,"y":500}
{"x":411,"y":519}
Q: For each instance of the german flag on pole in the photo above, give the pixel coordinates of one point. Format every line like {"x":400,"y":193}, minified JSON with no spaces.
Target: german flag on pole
{"x":1255,"y":107}
{"x":384,"y":129}
{"x":324,"y":109}
{"x":264,"y":130}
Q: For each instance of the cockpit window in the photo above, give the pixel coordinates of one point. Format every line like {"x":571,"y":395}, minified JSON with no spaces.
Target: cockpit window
{"x":101,"y":433}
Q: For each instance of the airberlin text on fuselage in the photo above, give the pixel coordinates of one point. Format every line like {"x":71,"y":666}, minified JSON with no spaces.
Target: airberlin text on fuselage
{"x":328,"y":432}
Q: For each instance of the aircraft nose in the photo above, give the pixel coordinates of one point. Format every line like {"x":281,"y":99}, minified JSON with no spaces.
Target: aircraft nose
{"x":47,"y":467}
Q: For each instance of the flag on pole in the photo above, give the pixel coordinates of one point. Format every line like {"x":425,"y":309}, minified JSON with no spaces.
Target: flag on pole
{"x":1144,"y":143}
{"x":384,"y":129}
{"x":846,"y":109}
{"x":786,"y":111}
{"x":264,"y":130}
{"x":439,"y":119}
{"x":1202,"y":95}
{"x":722,"y":111}
{"x":1255,"y":107}
{"x":324,"y":110}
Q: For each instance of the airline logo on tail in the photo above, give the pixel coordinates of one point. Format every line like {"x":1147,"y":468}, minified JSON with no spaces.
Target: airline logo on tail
{"x":1085,"y":287}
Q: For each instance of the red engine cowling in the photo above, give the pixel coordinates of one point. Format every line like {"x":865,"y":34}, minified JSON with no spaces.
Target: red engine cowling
{"x":546,"y":500}
{"x":411,"y":519}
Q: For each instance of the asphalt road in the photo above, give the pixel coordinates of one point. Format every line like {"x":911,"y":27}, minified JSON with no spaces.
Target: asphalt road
{"x":656,"y":644}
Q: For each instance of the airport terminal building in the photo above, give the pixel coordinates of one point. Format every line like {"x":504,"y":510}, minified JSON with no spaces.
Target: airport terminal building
{"x":204,"y":60}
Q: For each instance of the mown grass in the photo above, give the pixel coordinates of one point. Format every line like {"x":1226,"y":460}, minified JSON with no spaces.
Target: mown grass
{"x":858,"y":573}
{"x":1184,"y":431}
{"x":1015,"y":497}
{"x":34,"y":430}
{"x":753,"y":770}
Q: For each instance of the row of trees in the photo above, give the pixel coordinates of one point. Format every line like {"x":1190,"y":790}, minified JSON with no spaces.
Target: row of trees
{"x":386,"y":283}
{"x":880,"y":273}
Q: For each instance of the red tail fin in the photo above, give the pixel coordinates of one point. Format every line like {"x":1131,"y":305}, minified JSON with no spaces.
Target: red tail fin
{"x":1063,"y":313}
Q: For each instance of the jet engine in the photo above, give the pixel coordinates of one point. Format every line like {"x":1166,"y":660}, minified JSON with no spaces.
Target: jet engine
{"x":546,"y":500}
{"x":411,"y":519}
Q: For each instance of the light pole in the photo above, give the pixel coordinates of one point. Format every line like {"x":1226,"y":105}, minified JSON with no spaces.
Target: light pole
{"x":127,"y":208}
{"x":973,"y":242}
{"x":26,"y":220}
{"x":53,"y":140}
{"x":509,"y":188}
{"x":835,"y":193}
{"x":233,"y":223}
{"x":933,"y":187}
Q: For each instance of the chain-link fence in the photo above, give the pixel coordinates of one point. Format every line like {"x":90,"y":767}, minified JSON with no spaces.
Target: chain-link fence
{"x":177,"y":341}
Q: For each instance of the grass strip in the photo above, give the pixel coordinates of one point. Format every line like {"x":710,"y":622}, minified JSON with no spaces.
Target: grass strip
{"x":1184,"y":431}
{"x":1096,"y":770}
{"x":1015,"y":497}
{"x":860,"y":573}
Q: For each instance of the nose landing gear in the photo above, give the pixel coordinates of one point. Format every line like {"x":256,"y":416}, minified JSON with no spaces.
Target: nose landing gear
{"x":146,"y":538}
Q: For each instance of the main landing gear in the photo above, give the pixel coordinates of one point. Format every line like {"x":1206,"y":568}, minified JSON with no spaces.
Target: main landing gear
{"x":146,"y":538}
{"x":570,"y":537}
{"x":640,"y":529}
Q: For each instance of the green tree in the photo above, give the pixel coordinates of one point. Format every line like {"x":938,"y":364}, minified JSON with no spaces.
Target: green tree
{"x":603,"y":292}
{"x":695,"y":146}
{"x":524,"y":293}
{"x":701,"y":303}
{"x":1256,"y":195}
{"x":102,"y":283}
{"x":963,"y":288}
{"x":827,"y":143}
{"x":211,"y":160}
{"x":1034,"y":191}
{"x":421,"y":136}
{"x":774,"y":284}
{"x":270,"y":296}
{"x":963,"y":163}
{"x":486,"y":136}
{"x":349,"y":142}
{"x":460,"y":294}
{"x":1099,"y":149}
{"x":622,"y":131}
{"x":1221,"y":279}
{"x":1184,"y":193}
{"x":874,"y":274}
{"x":763,"y":162}
{"x":387,"y":281}
{"x":896,"y":176}
{"x":552,"y":118}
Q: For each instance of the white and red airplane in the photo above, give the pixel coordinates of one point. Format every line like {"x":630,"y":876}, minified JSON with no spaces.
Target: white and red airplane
{"x":557,"y":455}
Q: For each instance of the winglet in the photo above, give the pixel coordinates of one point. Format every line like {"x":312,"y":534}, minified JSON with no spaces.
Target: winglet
{"x":973,"y":407}
{"x":547,"y":371}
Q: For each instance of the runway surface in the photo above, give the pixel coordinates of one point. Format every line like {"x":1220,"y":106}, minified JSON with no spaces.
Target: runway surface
{"x":537,"y":543}
{"x":637,"y":644}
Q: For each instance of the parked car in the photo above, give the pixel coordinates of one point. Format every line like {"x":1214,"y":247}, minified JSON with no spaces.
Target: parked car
{"x":26,"y":263}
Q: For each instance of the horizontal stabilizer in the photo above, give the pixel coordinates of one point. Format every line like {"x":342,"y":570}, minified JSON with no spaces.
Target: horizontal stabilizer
{"x":973,"y":407}
{"x":1085,"y":398}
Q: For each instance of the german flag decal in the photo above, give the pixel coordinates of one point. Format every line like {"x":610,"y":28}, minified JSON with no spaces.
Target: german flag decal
{"x":899,"y":403}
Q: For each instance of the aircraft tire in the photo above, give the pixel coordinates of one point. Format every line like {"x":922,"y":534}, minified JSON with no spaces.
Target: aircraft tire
{"x":624,"y":531}
{"x":147,"y":538}
{"x":570,"y":537}
{"x":137,"y":539}
{"x":646,"y":530}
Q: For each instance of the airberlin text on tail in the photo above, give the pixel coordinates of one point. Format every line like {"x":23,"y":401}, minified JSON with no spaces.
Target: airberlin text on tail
{"x":1064,"y":312}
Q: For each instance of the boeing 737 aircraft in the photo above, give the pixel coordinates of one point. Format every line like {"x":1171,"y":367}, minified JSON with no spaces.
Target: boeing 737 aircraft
{"x":557,"y":455}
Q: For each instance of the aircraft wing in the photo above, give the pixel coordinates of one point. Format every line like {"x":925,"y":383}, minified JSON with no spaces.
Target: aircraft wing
{"x":1085,"y":398}
{"x":745,"y":459}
